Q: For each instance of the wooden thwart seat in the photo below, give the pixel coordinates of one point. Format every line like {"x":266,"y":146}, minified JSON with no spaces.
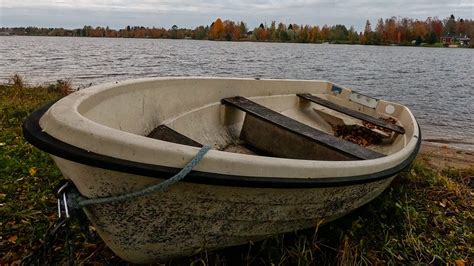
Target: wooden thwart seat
{"x":376,"y":121}
{"x":163,"y":132}
{"x":282,"y":136}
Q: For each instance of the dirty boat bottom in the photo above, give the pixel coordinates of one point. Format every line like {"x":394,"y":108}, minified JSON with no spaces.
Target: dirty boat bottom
{"x":190,"y":218}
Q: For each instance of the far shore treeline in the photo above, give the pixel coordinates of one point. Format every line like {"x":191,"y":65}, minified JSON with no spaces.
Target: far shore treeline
{"x":391,"y":31}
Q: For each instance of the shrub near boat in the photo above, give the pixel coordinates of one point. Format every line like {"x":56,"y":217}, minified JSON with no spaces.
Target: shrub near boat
{"x":275,"y":164}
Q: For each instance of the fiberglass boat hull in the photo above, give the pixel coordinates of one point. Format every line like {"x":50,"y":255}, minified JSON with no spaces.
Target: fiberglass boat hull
{"x":229,"y":199}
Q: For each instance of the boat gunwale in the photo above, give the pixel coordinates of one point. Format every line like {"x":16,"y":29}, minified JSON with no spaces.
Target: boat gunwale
{"x":34,"y":134}
{"x":66,"y":121}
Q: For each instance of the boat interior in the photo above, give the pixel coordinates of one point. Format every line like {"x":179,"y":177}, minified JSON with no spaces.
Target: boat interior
{"x":297,"y":126}
{"x":308,"y":120}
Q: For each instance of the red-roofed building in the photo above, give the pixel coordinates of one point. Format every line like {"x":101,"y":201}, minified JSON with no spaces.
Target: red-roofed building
{"x":450,"y":39}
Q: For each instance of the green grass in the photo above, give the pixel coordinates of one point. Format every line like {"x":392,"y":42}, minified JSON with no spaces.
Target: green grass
{"x":426,"y":215}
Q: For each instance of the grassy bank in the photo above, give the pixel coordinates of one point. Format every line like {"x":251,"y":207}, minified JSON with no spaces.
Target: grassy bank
{"x":426,"y":215}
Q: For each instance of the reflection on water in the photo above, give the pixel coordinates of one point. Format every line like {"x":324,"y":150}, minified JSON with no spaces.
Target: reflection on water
{"x":437,"y":84}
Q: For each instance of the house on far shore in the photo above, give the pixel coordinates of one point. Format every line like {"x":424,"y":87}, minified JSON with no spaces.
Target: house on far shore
{"x":464,"y":41}
{"x":446,"y":39}
{"x":451,"y":39}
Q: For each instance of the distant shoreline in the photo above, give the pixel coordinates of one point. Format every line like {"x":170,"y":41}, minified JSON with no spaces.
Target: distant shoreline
{"x":393,"y":31}
{"x":423,"y":45}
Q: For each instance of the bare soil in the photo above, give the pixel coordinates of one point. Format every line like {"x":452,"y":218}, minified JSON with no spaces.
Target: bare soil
{"x":442,"y":156}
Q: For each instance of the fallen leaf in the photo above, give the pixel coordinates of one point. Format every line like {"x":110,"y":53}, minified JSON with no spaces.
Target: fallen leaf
{"x":33,"y":171}
{"x":12,"y":239}
{"x":89,"y":246}
{"x":459,"y":262}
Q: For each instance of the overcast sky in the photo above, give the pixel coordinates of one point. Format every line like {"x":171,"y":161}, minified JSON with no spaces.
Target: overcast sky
{"x":187,"y":13}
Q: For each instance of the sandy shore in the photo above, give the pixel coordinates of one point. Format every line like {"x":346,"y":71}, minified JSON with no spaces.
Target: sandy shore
{"x":441,"y":156}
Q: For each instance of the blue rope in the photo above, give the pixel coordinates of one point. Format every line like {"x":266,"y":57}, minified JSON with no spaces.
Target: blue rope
{"x":83,"y":202}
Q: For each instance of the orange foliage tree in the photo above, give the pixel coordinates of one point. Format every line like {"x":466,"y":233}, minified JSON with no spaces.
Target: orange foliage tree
{"x":391,"y":33}
{"x":420,"y":28}
{"x":324,"y":33}
{"x":314,"y":35}
{"x":261,"y":33}
{"x":217,"y":30}
{"x":437,"y":27}
{"x":231,"y":31}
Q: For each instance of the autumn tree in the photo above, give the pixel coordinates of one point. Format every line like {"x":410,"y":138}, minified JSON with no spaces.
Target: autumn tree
{"x":229,"y":33}
{"x":216,"y":31}
{"x":281,"y":32}
{"x":367,"y":36}
{"x":296,"y":32}
{"x":157,"y":32}
{"x":290,"y":33}
{"x":86,"y":31}
{"x":461,"y":27}
{"x":339,"y":33}
{"x":390,"y":31}
{"x":304,"y":34}
{"x":405,"y":31}
{"x":450,"y":25}
{"x":174,"y":32}
{"x":200,"y":33}
{"x":243,"y":28}
{"x":352,"y":35}
{"x":236,"y":33}
{"x":272,"y":31}
{"x":140,"y":32}
{"x":325,"y":33}
{"x":377,"y":36}
{"x":61,"y":32}
{"x":314,"y":34}
{"x":420,"y":29}
{"x":437,"y":27}
{"x":261,"y":33}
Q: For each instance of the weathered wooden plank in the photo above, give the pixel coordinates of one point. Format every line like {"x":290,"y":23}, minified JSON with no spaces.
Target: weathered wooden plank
{"x":346,"y":148}
{"x":163,"y":132}
{"x":376,"y":121}
{"x":280,"y":142}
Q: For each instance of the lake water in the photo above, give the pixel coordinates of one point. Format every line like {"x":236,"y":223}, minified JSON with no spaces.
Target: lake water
{"x":436,"y":84}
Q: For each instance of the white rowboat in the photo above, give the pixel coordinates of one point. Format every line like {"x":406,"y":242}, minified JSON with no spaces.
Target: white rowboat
{"x":275,"y":164}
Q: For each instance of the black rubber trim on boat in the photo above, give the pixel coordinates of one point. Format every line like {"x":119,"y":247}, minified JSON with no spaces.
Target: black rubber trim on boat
{"x":34,"y":134}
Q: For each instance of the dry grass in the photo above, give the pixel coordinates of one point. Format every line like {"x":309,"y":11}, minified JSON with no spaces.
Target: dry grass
{"x":64,"y":87}
{"x":17,"y":81}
